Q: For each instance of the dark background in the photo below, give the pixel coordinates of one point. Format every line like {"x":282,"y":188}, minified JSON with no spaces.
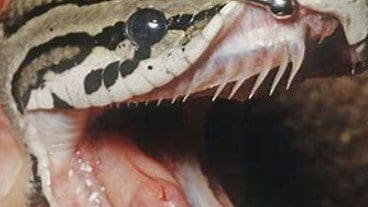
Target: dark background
{"x":303,"y":147}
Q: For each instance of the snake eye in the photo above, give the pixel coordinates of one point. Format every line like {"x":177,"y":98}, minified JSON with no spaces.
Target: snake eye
{"x":282,"y":7}
{"x":146,"y":27}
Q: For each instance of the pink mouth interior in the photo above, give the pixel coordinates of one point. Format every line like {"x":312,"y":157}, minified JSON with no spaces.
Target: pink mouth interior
{"x":120,"y":164}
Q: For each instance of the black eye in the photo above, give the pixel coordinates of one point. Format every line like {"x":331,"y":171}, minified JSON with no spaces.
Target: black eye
{"x":146,"y":27}
{"x":282,"y":7}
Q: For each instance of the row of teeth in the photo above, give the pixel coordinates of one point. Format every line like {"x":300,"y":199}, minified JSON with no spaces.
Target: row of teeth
{"x":256,"y":54}
{"x":289,"y":53}
{"x":295,"y":58}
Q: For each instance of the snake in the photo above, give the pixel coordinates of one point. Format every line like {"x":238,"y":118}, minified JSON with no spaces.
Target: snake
{"x":65,"y":62}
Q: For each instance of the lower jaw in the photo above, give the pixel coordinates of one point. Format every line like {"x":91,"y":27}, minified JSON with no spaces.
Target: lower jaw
{"x":268,"y":143}
{"x":140,"y":156}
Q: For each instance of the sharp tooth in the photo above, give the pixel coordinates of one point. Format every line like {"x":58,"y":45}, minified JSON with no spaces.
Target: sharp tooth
{"x":243,"y":77}
{"x":159,"y":101}
{"x":191,"y":87}
{"x":235,"y":89}
{"x":229,"y":74}
{"x":174,"y":99}
{"x":297,"y":57}
{"x":282,"y":69}
{"x":189,"y":92}
{"x":265,"y":70}
{"x":220,"y":88}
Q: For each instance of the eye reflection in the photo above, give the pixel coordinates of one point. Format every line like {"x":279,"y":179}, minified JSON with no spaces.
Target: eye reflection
{"x":146,"y":27}
{"x":280,"y":8}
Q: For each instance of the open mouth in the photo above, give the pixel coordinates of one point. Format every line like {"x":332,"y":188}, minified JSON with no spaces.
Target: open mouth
{"x":135,"y":153}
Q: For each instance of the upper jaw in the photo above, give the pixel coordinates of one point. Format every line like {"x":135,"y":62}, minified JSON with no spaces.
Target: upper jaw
{"x":316,"y":44}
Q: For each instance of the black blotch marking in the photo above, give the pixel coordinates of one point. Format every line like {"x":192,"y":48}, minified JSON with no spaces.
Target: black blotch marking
{"x":142,"y":53}
{"x":206,"y":14}
{"x":150,"y":67}
{"x":181,"y":21}
{"x":22,"y":97}
{"x":21,"y":105}
{"x":111,"y":74}
{"x":110,"y":37}
{"x":127,"y":67}
{"x":13,"y":23}
{"x":60,"y":103}
{"x":184,"y":21}
{"x":93,"y":81}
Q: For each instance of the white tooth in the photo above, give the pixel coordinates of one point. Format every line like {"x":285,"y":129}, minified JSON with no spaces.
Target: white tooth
{"x":229,"y":75}
{"x":186,"y":97}
{"x":174,"y":99}
{"x":282,"y":69}
{"x":159,"y":101}
{"x":238,"y":84}
{"x":220,"y":88}
{"x":191,"y":87}
{"x":265,"y":70}
{"x":244,"y":76}
{"x":297,"y":57}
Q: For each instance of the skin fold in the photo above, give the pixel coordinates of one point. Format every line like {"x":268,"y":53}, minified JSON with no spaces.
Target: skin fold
{"x":165,"y":172}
